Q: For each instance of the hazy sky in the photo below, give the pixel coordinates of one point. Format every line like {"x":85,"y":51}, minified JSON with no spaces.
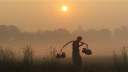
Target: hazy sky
{"x":48,"y":15}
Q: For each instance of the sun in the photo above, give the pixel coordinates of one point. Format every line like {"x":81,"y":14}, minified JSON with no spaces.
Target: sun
{"x":64,"y":8}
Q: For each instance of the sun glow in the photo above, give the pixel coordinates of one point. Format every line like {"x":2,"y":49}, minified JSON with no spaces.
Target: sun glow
{"x":64,"y":8}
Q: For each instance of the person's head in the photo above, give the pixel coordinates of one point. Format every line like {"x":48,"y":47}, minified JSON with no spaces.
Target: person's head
{"x":79,"y":38}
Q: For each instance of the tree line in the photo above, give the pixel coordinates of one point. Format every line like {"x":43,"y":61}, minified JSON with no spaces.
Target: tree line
{"x":12,"y":34}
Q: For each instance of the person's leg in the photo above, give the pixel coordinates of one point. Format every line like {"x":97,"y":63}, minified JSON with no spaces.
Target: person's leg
{"x":79,"y":59}
{"x":74,"y":58}
{"x":75,"y":61}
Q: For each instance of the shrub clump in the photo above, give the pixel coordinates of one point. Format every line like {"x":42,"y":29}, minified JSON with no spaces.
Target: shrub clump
{"x":120,"y":61}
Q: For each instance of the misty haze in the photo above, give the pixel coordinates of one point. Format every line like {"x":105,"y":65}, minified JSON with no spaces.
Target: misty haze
{"x":43,"y":25}
{"x":101,"y":42}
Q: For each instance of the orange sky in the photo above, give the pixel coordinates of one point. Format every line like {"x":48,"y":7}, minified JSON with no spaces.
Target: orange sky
{"x":48,"y":15}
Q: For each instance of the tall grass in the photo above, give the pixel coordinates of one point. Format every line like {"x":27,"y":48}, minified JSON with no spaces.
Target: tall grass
{"x":7,"y":58}
{"x":28,"y":54}
{"x":7,"y":54}
{"x":9,"y":63}
{"x":120,"y":61}
{"x":51,"y":54}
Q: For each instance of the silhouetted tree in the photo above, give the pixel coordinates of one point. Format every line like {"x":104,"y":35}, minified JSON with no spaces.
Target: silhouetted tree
{"x":4,"y":36}
{"x":121,"y":34}
{"x":105,"y":34}
{"x":78,"y":32}
{"x":92,"y":35}
{"x":27,"y":37}
{"x":14,"y":33}
{"x":98,"y":36}
{"x":58,"y":35}
{"x":38,"y":36}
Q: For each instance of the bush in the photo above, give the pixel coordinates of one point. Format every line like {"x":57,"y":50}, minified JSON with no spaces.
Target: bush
{"x":28,"y":54}
{"x":120,"y":61}
{"x":51,"y":55}
{"x":7,"y":54}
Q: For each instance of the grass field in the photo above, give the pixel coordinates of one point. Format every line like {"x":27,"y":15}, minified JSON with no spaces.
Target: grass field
{"x":10,"y":61}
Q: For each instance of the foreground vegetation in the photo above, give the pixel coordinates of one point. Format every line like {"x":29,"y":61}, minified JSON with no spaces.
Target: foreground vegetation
{"x":10,"y":61}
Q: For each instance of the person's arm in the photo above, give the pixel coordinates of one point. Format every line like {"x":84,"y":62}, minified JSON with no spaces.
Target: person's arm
{"x":81,"y":44}
{"x":84,"y":43}
{"x":66,"y":44}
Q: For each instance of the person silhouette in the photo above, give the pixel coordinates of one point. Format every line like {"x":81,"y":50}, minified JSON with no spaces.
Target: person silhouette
{"x":77,"y":60}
